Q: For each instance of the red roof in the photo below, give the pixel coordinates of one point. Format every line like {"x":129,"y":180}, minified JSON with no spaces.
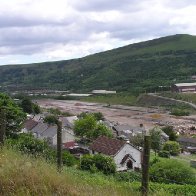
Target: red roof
{"x":70,"y":144}
{"x":107,"y":146}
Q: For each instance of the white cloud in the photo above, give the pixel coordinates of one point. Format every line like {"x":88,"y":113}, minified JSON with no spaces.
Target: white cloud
{"x":63,"y":29}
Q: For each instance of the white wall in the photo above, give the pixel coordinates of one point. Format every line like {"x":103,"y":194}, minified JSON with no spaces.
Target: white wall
{"x":128,"y":149}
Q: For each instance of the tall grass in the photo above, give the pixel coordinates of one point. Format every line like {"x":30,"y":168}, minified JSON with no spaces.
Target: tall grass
{"x":24,"y":175}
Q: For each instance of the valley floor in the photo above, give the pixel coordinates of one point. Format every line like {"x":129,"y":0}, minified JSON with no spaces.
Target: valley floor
{"x":131,"y":115}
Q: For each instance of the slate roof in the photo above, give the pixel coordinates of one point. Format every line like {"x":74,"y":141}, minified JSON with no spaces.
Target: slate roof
{"x":68,"y":121}
{"x":187,"y":139}
{"x":122,"y":128}
{"x":29,"y":124}
{"x":107,"y":145}
{"x":50,"y":132}
{"x":40,"y":128}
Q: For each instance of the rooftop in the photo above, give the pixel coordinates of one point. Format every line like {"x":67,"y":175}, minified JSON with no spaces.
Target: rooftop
{"x":186,"y":84}
{"x":107,"y":146}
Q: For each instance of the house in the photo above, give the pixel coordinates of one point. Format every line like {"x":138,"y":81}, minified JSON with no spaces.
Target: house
{"x":125,"y":155}
{"x":28,"y":125}
{"x":187,"y":143}
{"x":50,"y":134}
{"x":127,"y":131}
{"x":184,"y":87}
{"x":39,"y":129}
{"x":67,"y":128}
{"x":103,"y":92}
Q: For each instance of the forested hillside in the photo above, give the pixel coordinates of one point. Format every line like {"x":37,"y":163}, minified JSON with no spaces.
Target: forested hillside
{"x":137,"y":68}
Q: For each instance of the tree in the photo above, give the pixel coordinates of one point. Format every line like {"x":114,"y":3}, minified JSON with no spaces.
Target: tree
{"x":84,"y":126}
{"x":172,"y":147}
{"x":156,"y":142}
{"x":88,"y":127}
{"x":98,"y":116}
{"x":14,"y":115}
{"x":137,"y":140}
{"x":100,"y":130}
{"x":27,"y":105}
{"x":170,"y":132}
{"x":171,"y":171}
{"x":36,"y":109}
{"x":51,"y":119}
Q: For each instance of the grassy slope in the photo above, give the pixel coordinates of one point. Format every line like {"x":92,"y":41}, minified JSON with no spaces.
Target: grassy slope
{"x":136,"y":67}
{"x":22,"y":175}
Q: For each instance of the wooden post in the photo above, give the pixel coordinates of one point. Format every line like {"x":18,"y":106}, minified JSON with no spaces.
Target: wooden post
{"x":59,"y":146}
{"x":145,"y":165}
{"x":2,"y":126}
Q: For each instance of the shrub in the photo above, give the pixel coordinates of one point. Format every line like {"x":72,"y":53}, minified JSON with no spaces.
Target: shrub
{"x":102,"y":163}
{"x":68,"y":159}
{"x":179,"y":112}
{"x":51,"y":119}
{"x":170,"y":132}
{"x":86,"y":162}
{"x":129,"y":176}
{"x":172,"y":147}
{"x":28,"y":144}
{"x":164,"y":154}
{"x":171,"y":171}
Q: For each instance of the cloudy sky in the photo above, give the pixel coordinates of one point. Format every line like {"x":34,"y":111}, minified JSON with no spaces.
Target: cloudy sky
{"x":47,"y":30}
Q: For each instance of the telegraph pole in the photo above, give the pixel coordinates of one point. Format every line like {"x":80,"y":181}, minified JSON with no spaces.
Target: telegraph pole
{"x":145,"y":165}
{"x":2,"y":126}
{"x":59,"y":146}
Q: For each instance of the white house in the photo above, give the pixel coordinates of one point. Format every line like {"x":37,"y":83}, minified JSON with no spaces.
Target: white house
{"x":125,"y":155}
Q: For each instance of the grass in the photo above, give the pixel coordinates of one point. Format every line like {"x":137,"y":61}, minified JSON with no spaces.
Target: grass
{"x":23,"y":175}
{"x":189,"y":97}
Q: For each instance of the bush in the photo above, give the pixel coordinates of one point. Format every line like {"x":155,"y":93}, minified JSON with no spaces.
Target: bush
{"x":170,"y":132}
{"x":86,"y":162}
{"x":129,"y":176}
{"x":98,"y":162}
{"x":28,"y":144}
{"x":164,"y":154}
{"x":171,"y":171}
{"x":172,"y":147}
{"x":68,"y":159}
{"x":179,"y":112}
{"x":51,"y":119}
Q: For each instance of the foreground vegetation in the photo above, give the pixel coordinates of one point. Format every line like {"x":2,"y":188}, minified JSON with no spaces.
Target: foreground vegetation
{"x":25,"y":175}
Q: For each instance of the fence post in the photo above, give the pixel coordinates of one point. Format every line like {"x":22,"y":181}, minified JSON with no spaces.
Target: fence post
{"x":59,"y":146}
{"x":2,"y":126}
{"x":145,"y":165}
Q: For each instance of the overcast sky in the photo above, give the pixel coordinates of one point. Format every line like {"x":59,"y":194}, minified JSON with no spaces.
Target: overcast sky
{"x":47,"y":30}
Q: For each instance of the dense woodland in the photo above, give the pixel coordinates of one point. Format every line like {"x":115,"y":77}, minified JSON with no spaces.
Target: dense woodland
{"x":135,"y":68}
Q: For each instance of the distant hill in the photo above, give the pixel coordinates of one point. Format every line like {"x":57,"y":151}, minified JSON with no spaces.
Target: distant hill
{"x":136,"y":68}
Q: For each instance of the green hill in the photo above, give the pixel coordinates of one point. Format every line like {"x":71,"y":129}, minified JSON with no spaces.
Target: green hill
{"x":136,"y":68}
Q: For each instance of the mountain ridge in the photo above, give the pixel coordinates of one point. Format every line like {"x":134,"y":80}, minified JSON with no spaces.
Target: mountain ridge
{"x":136,"y":68}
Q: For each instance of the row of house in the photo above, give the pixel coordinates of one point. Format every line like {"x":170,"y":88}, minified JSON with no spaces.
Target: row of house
{"x":48,"y":132}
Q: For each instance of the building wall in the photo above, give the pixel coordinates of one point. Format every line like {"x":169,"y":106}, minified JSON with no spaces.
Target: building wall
{"x":128,"y":149}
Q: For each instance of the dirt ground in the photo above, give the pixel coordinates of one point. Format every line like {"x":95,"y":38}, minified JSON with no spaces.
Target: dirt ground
{"x":134,"y":116}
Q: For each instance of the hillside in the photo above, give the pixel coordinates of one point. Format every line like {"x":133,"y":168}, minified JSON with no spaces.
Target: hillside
{"x":137,"y":68}
{"x":25,"y":175}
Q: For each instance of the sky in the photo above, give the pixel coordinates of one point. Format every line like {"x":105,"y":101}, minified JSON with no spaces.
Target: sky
{"x":50,"y":30}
